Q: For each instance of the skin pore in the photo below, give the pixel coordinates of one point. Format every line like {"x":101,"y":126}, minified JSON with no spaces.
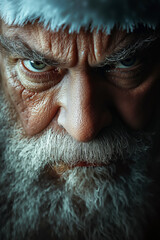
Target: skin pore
{"x":82,"y":106}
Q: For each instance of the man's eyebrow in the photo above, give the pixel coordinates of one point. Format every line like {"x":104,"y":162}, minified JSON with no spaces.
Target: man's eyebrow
{"x":136,"y":46}
{"x":18,"y":48}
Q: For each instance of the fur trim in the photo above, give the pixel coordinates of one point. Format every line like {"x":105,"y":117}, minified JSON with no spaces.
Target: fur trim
{"x":75,"y":14}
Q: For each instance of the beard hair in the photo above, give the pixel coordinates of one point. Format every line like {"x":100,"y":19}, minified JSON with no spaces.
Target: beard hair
{"x":112,"y":202}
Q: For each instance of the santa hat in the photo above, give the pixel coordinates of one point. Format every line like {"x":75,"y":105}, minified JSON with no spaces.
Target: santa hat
{"x":104,"y":14}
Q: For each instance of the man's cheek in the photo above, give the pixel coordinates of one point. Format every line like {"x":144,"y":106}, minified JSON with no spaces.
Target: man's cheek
{"x":137,"y":106}
{"x":35,"y":109}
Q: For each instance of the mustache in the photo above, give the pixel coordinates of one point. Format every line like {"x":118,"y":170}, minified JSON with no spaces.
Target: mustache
{"x":111,"y":145}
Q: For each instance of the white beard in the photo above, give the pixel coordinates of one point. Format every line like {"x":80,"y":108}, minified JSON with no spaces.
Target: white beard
{"x":97,"y":203}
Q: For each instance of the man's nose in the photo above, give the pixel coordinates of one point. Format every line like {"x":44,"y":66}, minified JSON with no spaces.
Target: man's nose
{"x":83,"y":106}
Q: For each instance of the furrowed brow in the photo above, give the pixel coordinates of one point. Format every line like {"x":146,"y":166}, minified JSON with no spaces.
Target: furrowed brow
{"x":18,"y":48}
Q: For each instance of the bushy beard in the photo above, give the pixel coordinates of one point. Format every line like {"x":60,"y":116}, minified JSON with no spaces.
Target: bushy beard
{"x":111,"y":202}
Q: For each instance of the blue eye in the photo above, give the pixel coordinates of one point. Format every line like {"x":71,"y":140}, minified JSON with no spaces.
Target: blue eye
{"x":36,"y":66}
{"x":126,"y":63}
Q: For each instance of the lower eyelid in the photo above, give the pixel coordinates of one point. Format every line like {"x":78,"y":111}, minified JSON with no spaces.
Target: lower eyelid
{"x":37,"y":82}
{"x":127,"y":78}
{"x":128,"y":69}
{"x":33,"y":86}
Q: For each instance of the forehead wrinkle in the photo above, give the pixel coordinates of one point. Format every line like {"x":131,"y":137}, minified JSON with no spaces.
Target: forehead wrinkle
{"x":91,"y":46}
{"x":56,"y":45}
{"x":63,"y":46}
{"x":39,"y":40}
{"x":101,"y":45}
{"x":82,"y":45}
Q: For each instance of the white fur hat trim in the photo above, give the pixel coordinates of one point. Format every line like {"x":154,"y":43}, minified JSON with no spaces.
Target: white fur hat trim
{"x":82,"y":13}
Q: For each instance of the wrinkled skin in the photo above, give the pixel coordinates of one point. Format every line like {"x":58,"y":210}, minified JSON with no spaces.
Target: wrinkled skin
{"x":79,"y":99}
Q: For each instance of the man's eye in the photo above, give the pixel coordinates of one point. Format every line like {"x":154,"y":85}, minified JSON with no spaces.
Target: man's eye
{"x":36,"y":66}
{"x":128,"y":73}
{"x":127,"y":63}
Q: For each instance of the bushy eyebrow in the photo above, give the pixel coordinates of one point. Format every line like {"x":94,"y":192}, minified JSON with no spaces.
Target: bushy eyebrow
{"x":19,"y":48}
{"x":137,"y":46}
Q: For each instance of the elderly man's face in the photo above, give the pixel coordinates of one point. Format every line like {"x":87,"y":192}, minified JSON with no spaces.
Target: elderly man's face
{"x":78,"y":111}
{"x":81,"y":86}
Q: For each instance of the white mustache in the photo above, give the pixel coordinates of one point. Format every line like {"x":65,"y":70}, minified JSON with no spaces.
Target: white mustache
{"x":112,"y":145}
